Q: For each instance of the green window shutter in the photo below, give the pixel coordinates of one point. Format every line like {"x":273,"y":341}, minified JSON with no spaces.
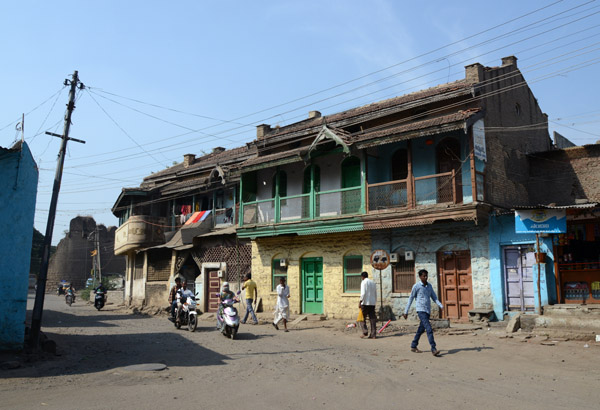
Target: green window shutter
{"x":352,"y":273}
{"x":350,"y":172}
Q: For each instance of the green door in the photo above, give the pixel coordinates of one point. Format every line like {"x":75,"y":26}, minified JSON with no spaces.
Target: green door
{"x":312,"y":285}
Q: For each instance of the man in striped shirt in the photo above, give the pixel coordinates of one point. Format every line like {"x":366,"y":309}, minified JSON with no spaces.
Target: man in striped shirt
{"x":423,"y":293}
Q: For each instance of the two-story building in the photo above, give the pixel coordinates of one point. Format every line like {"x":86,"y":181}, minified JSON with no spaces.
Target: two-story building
{"x":181,"y":221}
{"x":416,"y":175}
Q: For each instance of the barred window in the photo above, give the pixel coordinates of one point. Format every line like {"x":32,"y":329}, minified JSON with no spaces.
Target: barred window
{"x":278,"y":272}
{"x":352,"y":270}
{"x":403,"y":273}
{"x":159,"y":265}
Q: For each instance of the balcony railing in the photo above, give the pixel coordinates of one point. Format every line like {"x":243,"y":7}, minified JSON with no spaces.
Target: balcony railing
{"x":407,"y":193}
{"x":414,"y":192}
{"x":325,"y":204}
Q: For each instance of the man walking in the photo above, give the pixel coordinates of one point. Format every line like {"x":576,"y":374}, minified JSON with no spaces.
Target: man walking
{"x":251,"y":296}
{"x":282,"y":309}
{"x":368,"y":300}
{"x":423,"y":292}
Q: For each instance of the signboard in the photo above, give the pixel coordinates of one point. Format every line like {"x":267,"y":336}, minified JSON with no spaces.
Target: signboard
{"x":479,"y":140}
{"x":541,"y":221}
{"x":380,"y":259}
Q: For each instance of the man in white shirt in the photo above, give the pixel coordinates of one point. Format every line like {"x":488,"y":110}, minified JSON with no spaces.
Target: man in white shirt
{"x":282,"y":309}
{"x":368,"y":300}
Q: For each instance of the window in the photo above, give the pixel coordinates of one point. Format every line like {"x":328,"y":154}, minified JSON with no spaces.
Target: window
{"x":278,"y":272}
{"x":403,"y":273}
{"x":352,"y":270}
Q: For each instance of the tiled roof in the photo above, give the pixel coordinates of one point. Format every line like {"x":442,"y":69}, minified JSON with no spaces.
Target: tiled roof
{"x":205,"y":162}
{"x":458,"y":116}
{"x":443,"y":91}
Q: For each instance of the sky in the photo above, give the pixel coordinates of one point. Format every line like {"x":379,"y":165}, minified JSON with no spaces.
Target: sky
{"x":164,"y":79}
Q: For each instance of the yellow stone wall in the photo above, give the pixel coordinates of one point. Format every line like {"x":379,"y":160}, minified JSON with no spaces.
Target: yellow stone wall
{"x":332,"y":248}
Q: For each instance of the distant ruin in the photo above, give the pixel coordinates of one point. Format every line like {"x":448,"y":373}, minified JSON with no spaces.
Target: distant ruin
{"x":72,"y":261}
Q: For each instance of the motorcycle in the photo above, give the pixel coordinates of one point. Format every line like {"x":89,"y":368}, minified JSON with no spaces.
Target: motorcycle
{"x":228,"y":320}
{"x":70,"y":297}
{"x":100,"y":299}
{"x":188,"y":315}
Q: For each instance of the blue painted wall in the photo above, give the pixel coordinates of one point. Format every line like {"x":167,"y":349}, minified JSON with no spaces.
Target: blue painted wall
{"x":424,"y":163}
{"x":18,"y":189}
{"x":502,"y":233}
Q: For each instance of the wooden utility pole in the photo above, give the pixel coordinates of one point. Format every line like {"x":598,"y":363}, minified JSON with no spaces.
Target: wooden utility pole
{"x":38,"y":307}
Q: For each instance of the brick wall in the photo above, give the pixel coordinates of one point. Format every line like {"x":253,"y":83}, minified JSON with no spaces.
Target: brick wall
{"x":562,"y":176}
{"x":510,"y":105}
{"x":332,"y":248}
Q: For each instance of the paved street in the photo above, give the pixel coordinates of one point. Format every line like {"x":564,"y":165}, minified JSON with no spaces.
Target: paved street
{"x":318,"y":365}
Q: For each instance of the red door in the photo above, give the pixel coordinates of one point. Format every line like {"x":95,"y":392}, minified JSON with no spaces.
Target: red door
{"x":456,"y":285}
{"x":212,"y":301}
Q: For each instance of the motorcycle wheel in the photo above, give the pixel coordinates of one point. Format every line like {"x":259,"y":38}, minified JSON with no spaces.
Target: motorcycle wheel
{"x":192,"y":323}
{"x":227,"y":332}
{"x":233,"y":334}
{"x":69,"y":300}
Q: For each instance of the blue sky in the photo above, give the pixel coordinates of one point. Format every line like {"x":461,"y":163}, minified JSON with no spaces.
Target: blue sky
{"x":217,"y":69}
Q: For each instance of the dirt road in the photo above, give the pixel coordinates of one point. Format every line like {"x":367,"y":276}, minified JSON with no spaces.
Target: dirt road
{"x":318,"y":365}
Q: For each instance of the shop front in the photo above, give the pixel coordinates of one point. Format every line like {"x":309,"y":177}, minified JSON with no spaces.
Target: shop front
{"x":578,"y":256}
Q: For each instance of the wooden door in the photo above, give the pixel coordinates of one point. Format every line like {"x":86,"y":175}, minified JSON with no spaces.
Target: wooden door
{"x":456,"y":286}
{"x":212,"y":288}
{"x":312,"y":285}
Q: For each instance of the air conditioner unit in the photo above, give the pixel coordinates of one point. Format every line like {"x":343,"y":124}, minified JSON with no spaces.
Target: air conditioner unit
{"x":409,"y":255}
{"x":220,"y":273}
{"x":283,"y":262}
{"x":393,"y":257}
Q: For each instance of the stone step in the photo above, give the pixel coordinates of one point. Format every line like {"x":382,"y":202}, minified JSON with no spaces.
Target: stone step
{"x":572,"y":310}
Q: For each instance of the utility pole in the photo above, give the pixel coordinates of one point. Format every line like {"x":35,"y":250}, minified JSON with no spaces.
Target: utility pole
{"x":98,"y":256}
{"x":38,"y":307}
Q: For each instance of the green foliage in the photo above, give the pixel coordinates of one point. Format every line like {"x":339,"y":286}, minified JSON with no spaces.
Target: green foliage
{"x":89,"y":289}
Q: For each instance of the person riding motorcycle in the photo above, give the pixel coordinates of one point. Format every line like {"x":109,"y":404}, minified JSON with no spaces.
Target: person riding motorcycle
{"x":224,"y":295}
{"x":101,"y":289}
{"x":182,"y":294}
{"x":70,"y":291}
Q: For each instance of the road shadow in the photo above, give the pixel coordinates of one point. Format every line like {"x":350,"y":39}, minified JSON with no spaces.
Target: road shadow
{"x":54,"y":318}
{"x":84,"y":354}
{"x":466,"y":349}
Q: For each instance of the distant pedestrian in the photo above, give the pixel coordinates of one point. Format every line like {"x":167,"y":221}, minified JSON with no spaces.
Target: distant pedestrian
{"x":251,"y":296}
{"x":173,"y":296}
{"x":423,"y":293}
{"x":282,"y":309}
{"x":368,"y":300}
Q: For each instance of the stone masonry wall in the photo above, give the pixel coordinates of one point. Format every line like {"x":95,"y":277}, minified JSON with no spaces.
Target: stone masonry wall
{"x":332,"y":248}
{"x":562,"y":176}
{"x":425,"y":242}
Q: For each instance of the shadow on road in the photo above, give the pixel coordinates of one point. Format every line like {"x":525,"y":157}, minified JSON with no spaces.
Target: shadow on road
{"x":53,"y":318}
{"x":83,"y":354}
{"x":466,"y":349}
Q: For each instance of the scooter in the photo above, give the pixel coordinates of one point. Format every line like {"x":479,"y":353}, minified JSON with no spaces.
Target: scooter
{"x":188,"y":315}
{"x":228,"y":320}
{"x":100,"y":299}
